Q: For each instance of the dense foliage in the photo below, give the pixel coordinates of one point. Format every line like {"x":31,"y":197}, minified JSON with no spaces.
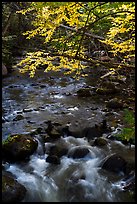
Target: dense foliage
{"x":128,"y":132}
{"x":71,"y":29}
{"x":13,"y":42}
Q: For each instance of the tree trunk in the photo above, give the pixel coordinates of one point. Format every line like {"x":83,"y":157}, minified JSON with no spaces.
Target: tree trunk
{"x":7,"y":24}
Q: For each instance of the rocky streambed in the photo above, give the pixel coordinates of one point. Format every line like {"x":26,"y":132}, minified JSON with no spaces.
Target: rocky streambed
{"x":59,"y":140}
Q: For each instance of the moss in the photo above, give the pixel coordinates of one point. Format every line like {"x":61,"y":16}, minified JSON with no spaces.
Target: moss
{"x":10,"y":139}
{"x":7,"y":182}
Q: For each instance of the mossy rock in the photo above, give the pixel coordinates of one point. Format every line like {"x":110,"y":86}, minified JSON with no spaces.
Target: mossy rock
{"x":18,"y":147}
{"x":100,"y":141}
{"x":12,"y":190}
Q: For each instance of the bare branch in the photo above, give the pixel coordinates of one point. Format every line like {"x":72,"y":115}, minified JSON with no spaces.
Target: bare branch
{"x":87,"y":34}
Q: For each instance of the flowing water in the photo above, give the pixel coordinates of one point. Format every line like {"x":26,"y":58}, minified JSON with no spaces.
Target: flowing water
{"x":73,"y":180}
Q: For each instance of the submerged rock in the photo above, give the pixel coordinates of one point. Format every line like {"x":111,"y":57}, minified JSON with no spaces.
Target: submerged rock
{"x":12,"y":190}
{"x":18,"y":147}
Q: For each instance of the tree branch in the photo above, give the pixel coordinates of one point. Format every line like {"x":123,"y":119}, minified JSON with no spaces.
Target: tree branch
{"x":91,"y":61}
{"x":82,"y":37}
{"x":79,"y":30}
{"x":7,"y":24}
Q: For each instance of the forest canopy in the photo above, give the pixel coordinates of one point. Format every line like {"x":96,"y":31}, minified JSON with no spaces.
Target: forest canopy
{"x":74,"y":31}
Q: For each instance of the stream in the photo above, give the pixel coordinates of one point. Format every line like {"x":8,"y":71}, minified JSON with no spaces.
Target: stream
{"x":27,"y":103}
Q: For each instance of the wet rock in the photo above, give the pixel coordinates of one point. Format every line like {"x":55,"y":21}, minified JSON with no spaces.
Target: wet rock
{"x":43,"y":86}
{"x":11,"y":86}
{"x":5,"y":165}
{"x":130,"y":167}
{"x":115,"y":104}
{"x":128,"y":183}
{"x":107,"y":87}
{"x":31,"y":122}
{"x":53,"y":159}
{"x":100,"y":141}
{"x":34,"y":84}
{"x":4,"y":70}
{"x":108,"y":84}
{"x":115,"y":163}
{"x":96,"y":131}
{"x":12,"y":190}
{"x":37,"y":131}
{"x":105,"y":91}
{"x":92,"y":132}
{"x":52,"y":131}
{"x":18,"y":117}
{"x":18,"y":147}
{"x":19,"y":112}
{"x":25,"y":110}
{"x":67,"y":132}
{"x":78,"y":152}
{"x":84,"y":92}
{"x":3,"y":120}
{"x":89,"y":132}
{"x":47,"y":138}
{"x":57,"y":150}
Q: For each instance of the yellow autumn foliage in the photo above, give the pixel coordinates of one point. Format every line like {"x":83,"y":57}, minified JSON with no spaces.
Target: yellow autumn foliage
{"x":48,"y":21}
{"x":123,"y":23}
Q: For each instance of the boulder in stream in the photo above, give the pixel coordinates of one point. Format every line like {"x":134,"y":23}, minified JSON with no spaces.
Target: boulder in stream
{"x":115,"y":163}
{"x":57,"y":150}
{"x":52,"y":130}
{"x":12,"y":190}
{"x":78,"y":152}
{"x":96,"y":131}
{"x":53,"y":159}
{"x":18,"y":147}
{"x":88,"y":132}
{"x":100,"y":142}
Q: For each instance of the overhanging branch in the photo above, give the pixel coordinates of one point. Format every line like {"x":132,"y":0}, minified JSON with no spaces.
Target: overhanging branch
{"x":91,"y":61}
{"x":87,"y":34}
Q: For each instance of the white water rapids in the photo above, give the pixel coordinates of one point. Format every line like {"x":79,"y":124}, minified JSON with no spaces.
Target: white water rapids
{"x":74,"y":180}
